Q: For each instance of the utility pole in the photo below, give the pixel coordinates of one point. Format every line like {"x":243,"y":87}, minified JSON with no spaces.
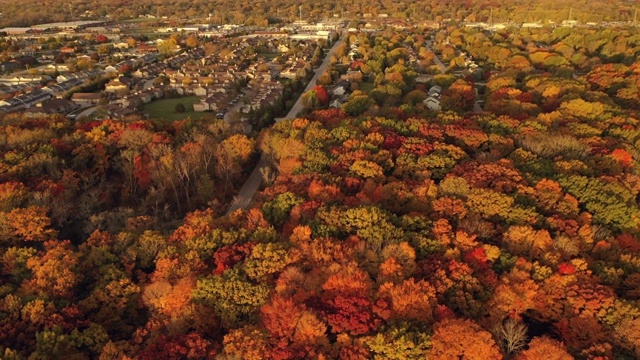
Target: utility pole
{"x":300,"y":8}
{"x":491,"y":15}
{"x":635,"y":17}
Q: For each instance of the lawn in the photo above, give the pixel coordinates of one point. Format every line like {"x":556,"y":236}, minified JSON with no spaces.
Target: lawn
{"x":165,"y":109}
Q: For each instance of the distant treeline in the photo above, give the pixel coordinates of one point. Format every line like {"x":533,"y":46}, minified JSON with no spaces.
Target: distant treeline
{"x":29,"y":12}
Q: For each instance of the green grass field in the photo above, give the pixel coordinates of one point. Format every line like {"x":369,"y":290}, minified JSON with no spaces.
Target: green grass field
{"x":165,"y":109}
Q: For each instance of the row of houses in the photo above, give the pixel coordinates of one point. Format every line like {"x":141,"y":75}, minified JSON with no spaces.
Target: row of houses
{"x":23,"y":79}
{"x":137,"y":62}
{"x":8,"y":91}
{"x":215,"y":102}
{"x":128,"y":100}
{"x":266,"y":94}
{"x":24,"y":101}
{"x":52,"y":106}
{"x":40,"y":96}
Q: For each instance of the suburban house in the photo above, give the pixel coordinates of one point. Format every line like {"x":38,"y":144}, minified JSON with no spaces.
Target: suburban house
{"x":60,"y":89}
{"x":9,"y":66}
{"x":283,"y":48}
{"x":267,"y":95}
{"x":117,"y":86}
{"x":54,"y":106}
{"x":432,"y":103}
{"x":290,"y":73}
{"x":86,"y":99}
{"x":143,"y":48}
{"x":9,"y":91}
{"x":115,"y":111}
{"x":57,"y":67}
{"x":214,"y":102}
{"x":23,"y":79}
{"x":67,"y":50}
{"x":121,"y":45}
{"x":435,"y":91}
{"x":336,"y":103}
{"x":338,"y":90}
{"x":111,"y":70}
{"x":24,"y":101}
{"x":423,"y":79}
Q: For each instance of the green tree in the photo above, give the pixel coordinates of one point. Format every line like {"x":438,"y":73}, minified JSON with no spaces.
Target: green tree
{"x":232,"y":296}
{"x":357,"y":105}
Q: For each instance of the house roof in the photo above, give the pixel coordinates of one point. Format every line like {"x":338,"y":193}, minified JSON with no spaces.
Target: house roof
{"x":86,"y":96}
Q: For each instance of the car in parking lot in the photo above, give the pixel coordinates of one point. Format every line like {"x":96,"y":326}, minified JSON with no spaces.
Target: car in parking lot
{"x":220,"y":115}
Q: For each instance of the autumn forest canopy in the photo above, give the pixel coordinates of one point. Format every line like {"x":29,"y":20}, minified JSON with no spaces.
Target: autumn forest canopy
{"x":504,"y":224}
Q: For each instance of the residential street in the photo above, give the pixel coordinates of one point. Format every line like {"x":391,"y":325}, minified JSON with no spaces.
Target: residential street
{"x":439,"y":63}
{"x":235,"y":109}
{"x":297,"y":107}
{"x":250,"y":187}
{"x":87,"y":112}
{"x":243,"y":199}
{"x":149,"y":83}
{"x":476,"y":107}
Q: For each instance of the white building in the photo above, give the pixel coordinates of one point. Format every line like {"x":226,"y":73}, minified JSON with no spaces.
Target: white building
{"x":432,"y":103}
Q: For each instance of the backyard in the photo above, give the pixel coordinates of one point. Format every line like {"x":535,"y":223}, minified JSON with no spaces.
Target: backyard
{"x":166,"y":109}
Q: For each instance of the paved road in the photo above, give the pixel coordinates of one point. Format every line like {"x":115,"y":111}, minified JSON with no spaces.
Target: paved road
{"x":443,"y":68}
{"x":87,"y":112}
{"x":243,"y":200}
{"x":250,"y":187}
{"x":436,"y":59}
{"x":149,"y":84}
{"x":297,"y":107}
{"x":228,"y":115}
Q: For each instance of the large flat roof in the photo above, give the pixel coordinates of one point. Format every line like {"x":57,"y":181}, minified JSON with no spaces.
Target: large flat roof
{"x":69,"y":24}
{"x":15,"y":30}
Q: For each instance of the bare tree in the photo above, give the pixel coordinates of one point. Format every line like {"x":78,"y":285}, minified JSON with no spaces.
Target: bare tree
{"x":512,"y":336}
{"x":268,"y":175}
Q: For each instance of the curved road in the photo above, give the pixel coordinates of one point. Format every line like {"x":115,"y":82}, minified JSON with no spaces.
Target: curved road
{"x":87,"y":112}
{"x":250,"y":187}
